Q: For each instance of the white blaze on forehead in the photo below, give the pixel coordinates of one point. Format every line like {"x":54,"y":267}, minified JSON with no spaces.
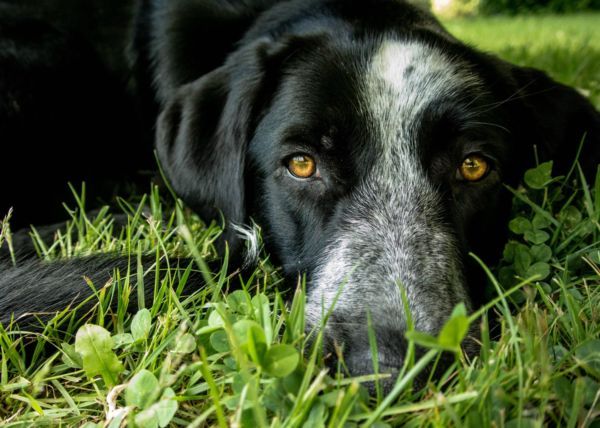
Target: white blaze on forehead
{"x":407,"y":76}
{"x":394,"y":58}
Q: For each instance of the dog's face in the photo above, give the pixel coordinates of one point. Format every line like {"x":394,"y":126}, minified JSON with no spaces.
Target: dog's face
{"x":372,"y":160}
{"x":360,"y":172}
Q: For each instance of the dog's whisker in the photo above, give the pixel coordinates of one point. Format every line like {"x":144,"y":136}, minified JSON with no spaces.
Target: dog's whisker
{"x":493,"y":125}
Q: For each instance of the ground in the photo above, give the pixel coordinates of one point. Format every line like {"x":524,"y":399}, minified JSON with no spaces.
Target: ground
{"x":241,"y":358}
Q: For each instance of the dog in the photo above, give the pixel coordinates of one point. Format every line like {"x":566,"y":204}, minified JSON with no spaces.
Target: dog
{"x":369,"y":144}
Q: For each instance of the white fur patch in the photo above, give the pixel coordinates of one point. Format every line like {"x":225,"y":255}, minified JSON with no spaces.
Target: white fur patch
{"x":406,"y":77}
{"x":251,"y":236}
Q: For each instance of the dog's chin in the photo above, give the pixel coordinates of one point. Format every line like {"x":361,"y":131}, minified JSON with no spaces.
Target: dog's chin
{"x":386,"y":376}
{"x":391,"y":365}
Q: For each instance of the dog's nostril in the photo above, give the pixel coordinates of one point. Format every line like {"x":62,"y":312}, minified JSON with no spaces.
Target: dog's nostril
{"x":360,"y":363}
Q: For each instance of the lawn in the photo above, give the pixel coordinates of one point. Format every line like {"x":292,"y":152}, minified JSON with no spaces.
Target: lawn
{"x":568,"y":47}
{"x":241,"y":358}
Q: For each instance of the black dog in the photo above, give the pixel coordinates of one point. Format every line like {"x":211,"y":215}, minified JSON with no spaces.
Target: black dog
{"x":368,"y":143}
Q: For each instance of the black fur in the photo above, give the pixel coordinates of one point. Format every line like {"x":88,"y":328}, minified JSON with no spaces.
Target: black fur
{"x":65,"y":112}
{"x":240,"y":86}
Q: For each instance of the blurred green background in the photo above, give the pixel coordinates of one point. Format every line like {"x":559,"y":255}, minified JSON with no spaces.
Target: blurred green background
{"x":561,"y":37}
{"x":451,"y":8}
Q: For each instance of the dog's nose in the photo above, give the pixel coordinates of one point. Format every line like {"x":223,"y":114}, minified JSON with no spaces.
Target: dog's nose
{"x":360,"y":363}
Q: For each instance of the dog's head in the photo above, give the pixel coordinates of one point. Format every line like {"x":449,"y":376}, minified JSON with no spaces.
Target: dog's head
{"x":372,"y":148}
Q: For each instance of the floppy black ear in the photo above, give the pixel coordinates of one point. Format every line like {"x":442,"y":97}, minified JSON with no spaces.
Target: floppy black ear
{"x":203,"y":132}
{"x":562,"y":117}
{"x":189,"y":38}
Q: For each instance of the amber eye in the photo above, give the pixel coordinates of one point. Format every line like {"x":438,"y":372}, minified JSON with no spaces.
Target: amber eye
{"x":302,"y":166}
{"x":474,"y":168}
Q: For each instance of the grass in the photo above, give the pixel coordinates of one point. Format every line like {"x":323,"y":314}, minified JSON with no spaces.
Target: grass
{"x":567,"y":47}
{"x":235,"y":353}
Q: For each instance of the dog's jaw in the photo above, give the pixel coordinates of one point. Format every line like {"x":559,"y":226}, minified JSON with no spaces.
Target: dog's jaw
{"x":394,"y":234}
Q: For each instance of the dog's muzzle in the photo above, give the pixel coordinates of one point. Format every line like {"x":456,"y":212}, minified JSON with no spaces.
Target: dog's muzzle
{"x":391,"y":250}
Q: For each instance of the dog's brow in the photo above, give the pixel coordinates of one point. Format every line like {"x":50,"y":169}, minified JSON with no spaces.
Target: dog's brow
{"x":419,"y":74}
{"x":327,"y":141}
{"x":328,"y":138}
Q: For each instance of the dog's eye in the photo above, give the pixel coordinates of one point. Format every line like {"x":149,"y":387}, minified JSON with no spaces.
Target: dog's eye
{"x":302,"y":166}
{"x":474,"y":168}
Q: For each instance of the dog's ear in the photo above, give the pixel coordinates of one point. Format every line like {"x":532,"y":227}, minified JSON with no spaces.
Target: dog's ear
{"x":203,"y":132}
{"x":192,"y":38}
{"x":201,"y":141}
{"x":562,"y":118}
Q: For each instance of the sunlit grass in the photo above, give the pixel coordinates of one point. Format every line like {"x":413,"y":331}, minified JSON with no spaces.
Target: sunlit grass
{"x":567,"y":47}
{"x":236,"y":353}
